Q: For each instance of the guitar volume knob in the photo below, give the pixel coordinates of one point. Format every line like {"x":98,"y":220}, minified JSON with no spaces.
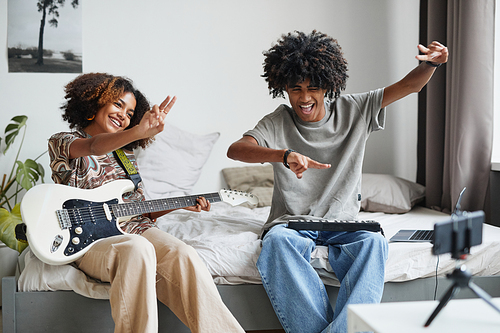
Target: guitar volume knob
{"x":78,"y":230}
{"x":75,"y":240}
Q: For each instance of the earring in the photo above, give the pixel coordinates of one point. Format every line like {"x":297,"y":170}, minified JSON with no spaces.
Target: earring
{"x":91,"y":118}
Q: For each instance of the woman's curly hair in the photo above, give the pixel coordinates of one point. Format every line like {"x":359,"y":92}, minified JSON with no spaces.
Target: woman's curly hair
{"x":297,"y":57}
{"x":88,"y":93}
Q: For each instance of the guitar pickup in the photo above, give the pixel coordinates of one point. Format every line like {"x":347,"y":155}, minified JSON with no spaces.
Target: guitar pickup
{"x":107,"y":211}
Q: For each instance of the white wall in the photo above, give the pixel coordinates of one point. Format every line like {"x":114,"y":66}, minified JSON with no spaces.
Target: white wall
{"x":209,"y":54}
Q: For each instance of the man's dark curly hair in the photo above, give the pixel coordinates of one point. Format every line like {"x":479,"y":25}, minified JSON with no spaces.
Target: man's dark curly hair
{"x":297,"y":57}
{"x":88,"y":93}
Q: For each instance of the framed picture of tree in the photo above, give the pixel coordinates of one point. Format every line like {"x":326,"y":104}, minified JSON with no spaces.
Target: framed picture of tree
{"x":45,"y":36}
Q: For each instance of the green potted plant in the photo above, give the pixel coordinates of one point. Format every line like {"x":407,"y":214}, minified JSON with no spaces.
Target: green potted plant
{"x":22,"y":176}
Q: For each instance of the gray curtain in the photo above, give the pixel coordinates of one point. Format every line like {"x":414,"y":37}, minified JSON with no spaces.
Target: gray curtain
{"x":456,"y":107}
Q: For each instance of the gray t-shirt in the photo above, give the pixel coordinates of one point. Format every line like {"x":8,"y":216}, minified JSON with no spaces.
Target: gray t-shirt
{"x":338,"y":139}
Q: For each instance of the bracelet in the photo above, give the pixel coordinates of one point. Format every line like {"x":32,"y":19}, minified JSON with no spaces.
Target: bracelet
{"x":285,"y":157}
{"x":433,"y":64}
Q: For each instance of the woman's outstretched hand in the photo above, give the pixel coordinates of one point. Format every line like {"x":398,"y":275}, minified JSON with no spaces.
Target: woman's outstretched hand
{"x":153,"y":121}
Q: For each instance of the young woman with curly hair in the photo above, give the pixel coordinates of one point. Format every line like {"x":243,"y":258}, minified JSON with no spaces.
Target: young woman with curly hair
{"x":106,"y":113}
{"x":316,"y":146}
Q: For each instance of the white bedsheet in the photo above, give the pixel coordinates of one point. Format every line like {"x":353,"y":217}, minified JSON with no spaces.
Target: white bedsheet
{"x":226,"y":238}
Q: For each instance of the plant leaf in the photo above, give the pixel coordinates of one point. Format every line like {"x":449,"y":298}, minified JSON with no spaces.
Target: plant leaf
{"x":12,"y":130}
{"x":8,"y":222}
{"x":41,"y":172}
{"x":27,"y":173}
{"x":22,"y":119}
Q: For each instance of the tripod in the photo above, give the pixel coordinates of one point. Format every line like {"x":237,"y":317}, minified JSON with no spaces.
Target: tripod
{"x":461,"y":278}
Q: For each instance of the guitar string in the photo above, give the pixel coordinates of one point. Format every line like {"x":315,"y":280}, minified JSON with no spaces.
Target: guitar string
{"x":86,"y":213}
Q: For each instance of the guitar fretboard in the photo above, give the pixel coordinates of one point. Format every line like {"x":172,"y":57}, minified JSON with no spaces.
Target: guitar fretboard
{"x":158,"y":205}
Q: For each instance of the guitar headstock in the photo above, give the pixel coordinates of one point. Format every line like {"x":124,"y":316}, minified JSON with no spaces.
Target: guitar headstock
{"x":235,"y":198}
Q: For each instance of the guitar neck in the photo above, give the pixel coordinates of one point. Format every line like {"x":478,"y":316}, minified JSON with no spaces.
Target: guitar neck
{"x":158,"y":205}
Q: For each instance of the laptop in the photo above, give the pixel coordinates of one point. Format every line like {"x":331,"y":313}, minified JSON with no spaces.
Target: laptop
{"x":413,"y":236}
{"x":421,"y":235}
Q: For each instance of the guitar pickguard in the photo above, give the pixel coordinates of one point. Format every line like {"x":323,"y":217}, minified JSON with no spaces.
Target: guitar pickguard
{"x":89,"y":222}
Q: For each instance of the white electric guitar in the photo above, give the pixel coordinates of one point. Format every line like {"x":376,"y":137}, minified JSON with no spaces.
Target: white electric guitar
{"x":63,"y":222}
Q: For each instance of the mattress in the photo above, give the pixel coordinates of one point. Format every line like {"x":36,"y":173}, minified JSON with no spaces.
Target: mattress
{"x":226,"y":239}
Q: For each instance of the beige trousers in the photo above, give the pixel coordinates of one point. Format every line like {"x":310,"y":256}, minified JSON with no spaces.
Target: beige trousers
{"x":156,"y":264}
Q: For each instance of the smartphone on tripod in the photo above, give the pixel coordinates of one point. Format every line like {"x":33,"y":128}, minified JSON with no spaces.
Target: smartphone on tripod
{"x":457,"y":236}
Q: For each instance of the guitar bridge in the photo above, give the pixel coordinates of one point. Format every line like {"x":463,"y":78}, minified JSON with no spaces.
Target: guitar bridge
{"x":63,"y":218}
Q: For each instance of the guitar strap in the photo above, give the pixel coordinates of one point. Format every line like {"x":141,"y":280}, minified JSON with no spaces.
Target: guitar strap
{"x":129,"y":168}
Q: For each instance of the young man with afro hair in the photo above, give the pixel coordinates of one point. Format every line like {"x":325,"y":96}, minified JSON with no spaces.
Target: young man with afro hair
{"x":316,"y":147}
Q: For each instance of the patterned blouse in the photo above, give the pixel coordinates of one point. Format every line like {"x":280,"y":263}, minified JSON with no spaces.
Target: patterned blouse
{"x":89,"y":172}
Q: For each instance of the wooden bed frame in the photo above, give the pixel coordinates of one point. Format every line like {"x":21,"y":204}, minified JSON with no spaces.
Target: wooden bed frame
{"x":60,"y":311}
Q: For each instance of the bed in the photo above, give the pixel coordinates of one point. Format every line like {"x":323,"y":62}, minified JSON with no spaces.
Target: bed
{"x":57,"y":298}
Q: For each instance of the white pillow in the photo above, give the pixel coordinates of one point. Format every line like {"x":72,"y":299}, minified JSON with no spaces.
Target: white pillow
{"x":172,"y":164}
{"x":389,"y":194}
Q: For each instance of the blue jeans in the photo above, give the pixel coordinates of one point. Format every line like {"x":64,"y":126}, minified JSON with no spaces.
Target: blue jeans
{"x":296,"y":291}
